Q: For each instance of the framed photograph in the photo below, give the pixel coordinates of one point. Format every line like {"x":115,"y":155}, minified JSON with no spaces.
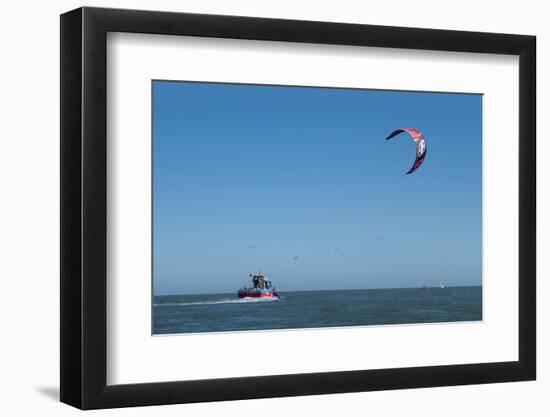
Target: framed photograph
{"x":259,"y":208}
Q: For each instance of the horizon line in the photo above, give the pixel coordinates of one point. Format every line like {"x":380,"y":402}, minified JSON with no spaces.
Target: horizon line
{"x":341,"y":289}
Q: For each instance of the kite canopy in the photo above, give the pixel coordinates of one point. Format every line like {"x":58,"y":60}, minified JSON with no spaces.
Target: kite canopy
{"x":420,"y":143}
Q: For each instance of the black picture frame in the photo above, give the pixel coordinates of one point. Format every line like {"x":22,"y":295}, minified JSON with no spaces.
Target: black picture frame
{"x":84,"y":207}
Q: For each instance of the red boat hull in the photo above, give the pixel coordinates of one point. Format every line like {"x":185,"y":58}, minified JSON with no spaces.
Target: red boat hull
{"x":257,"y":295}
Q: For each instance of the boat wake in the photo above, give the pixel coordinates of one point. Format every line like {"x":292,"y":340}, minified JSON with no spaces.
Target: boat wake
{"x":225,"y":301}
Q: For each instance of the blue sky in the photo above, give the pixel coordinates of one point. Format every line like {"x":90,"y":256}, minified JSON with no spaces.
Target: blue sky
{"x":248,"y":177}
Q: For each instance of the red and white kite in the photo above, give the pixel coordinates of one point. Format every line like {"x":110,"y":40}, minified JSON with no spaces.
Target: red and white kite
{"x":420,"y":143}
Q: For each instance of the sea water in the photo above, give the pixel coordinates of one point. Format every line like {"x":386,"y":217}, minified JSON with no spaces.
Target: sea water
{"x":313,"y":309}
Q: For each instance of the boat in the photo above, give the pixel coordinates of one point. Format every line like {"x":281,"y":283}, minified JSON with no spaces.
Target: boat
{"x":441,"y":285}
{"x":260,"y":287}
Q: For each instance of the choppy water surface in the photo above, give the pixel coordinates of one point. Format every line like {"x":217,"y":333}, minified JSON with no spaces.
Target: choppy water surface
{"x":307,"y":309}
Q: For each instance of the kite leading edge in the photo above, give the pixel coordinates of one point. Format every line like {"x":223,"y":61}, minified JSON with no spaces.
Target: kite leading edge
{"x":420,"y":142}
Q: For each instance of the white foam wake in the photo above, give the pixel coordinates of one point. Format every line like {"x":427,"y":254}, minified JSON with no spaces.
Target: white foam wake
{"x":225,"y":301}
